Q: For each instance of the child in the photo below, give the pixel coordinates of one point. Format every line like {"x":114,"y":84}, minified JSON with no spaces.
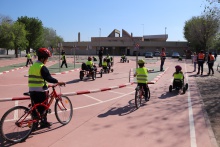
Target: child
{"x":104,"y":64}
{"x":178,"y":75}
{"x":142,"y":74}
{"x":39,"y":75}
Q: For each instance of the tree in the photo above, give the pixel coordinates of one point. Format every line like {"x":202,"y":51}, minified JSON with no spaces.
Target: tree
{"x":6,"y":36}
{"x":34,"y":28}
{"x":50,"y":38}
{"x":201,"y":30}
{"x":20,"y":40}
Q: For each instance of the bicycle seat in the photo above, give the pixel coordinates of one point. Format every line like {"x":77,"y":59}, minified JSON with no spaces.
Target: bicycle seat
{"x":26,"y":93}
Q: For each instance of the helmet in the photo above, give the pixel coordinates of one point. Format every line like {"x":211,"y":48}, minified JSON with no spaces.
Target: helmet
{"x":89,"y":58}
{"x":179,"y":68}
{"x":141,"y":61}
{"x":44,"y":52}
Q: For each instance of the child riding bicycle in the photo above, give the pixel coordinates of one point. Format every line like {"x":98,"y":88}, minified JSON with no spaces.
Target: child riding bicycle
{"x":142,"y":74}
{"x":39,"y":75}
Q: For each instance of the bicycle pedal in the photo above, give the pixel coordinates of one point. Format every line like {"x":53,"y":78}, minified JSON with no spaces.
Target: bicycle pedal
{"x":49,"y":111}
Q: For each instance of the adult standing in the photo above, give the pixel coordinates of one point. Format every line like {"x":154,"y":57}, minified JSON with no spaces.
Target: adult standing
{"x":162,"y":58}
{"x":211,"y":60}
{"x":100,"y":56}
{"x":200,"y":60}
{"x":194,"y":60}
{"x":63,"y":60}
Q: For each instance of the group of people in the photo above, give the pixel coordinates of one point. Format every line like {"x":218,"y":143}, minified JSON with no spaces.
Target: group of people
{"x":200,"y":59}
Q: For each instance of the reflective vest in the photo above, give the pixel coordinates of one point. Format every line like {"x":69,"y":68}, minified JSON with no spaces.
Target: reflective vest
{"x":104,"y":63}
{"x":63,"y":57}
{"x":211,"y":58}
{"x":29,"y":56}
{"x":201,"y":57}
{"x":89,"y":63}
{"x":142,"y":75}
{"x":178,"y":76}
{"x":35,"y":80}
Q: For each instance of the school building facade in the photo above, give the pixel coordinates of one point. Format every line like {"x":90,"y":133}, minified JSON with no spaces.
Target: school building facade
{"x":117,"y":43}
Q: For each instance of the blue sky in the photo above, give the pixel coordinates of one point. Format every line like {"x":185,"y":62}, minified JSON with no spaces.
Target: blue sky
{"x":68,"y":17}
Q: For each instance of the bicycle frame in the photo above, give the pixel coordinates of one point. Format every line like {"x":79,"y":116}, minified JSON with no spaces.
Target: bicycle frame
{"x":53,"y":95}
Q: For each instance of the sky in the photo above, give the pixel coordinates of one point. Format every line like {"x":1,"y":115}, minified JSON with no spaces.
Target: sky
{"x":95,"y":18}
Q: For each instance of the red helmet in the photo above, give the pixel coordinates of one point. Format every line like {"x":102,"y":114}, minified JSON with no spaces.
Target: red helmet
{"x":44,"y":52}
{"x":179,"y":68}
{"x":89,"y":58}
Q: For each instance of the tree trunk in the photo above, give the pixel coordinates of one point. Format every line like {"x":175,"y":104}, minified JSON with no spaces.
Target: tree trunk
{"x":16,"y":52}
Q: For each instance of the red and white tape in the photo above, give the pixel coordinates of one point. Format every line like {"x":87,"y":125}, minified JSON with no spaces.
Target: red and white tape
{"x":71,"y":93}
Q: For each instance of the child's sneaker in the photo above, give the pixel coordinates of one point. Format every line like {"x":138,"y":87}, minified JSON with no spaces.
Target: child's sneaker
{"x":146,"y":99}
{"x":45,"y":124}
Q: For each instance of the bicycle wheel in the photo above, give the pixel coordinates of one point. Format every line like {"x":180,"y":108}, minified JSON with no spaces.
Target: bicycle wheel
{"x":64,"y":110}
{"x":16,"y":124}
{"x":148,"y":93}
{"x":137,"y":98}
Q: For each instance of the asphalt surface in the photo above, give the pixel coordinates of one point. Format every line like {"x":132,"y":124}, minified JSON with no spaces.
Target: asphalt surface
{"x":109,"y":118}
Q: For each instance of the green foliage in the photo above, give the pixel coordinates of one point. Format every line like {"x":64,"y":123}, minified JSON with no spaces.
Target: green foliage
{"x":50,"y":39}
{"x":34,"y":28}
{"x":200,"y":31}
{"x":6,"y":36}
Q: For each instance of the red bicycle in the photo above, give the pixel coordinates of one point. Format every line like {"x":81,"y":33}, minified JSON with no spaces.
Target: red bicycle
{"x":139,"y":95}
{"x":18,"y":122}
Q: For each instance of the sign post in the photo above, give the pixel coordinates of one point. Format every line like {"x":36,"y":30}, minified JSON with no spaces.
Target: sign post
{"x":137,"y":50}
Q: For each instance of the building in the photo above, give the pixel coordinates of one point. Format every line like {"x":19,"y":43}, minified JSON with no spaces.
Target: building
{"x":117,"y":43}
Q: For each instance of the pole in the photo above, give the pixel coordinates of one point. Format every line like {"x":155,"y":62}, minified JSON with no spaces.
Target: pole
{"x":59,"y":44}
{"x":74,"y":52}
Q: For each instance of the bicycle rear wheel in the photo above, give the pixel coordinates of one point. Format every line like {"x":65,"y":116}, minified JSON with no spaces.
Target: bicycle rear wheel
{"x":16,"y":124}
{"x":137,"y":98}
{"x":64,"y":110}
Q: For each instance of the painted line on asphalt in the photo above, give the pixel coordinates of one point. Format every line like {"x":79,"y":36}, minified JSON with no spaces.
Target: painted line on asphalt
{"x":116,"y":92}
{"x":191,"y":119}
{"x":103,"y":101}
{"x":92,"y":97}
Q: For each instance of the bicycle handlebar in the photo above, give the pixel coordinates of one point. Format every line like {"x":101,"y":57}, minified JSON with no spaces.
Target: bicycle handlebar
{"x":54,"y":85}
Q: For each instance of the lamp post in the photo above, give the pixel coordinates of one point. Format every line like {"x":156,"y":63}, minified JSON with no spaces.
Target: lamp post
{"x":99,"y":37}
{"x":143,"y":29}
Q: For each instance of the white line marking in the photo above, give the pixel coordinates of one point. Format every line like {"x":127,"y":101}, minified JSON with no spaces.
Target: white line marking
{"x":103,"y":101}
{"x":191,"y":119}
{"x":116,"y":92}
{"x":92,"y":97}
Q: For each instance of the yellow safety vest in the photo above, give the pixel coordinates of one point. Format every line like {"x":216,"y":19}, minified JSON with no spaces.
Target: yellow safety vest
{"x":89,"y":63}
{"x":35,"y":80}
{"x":142,"y":75}
{"x":63,"y":57}
{"x":104,"y":64}
{"x":29,"y":56}
{"x":178,"y":76}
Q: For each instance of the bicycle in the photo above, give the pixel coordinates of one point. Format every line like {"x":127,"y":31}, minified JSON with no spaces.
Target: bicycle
{"x":140,"y":93}
{"x":18,"y":122}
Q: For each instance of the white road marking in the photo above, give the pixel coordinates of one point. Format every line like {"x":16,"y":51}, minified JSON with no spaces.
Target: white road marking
{"x":191,"y":119}
{"x":116,"y":92}
{"x":92,"y":97}
{"x":103,"y":101}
